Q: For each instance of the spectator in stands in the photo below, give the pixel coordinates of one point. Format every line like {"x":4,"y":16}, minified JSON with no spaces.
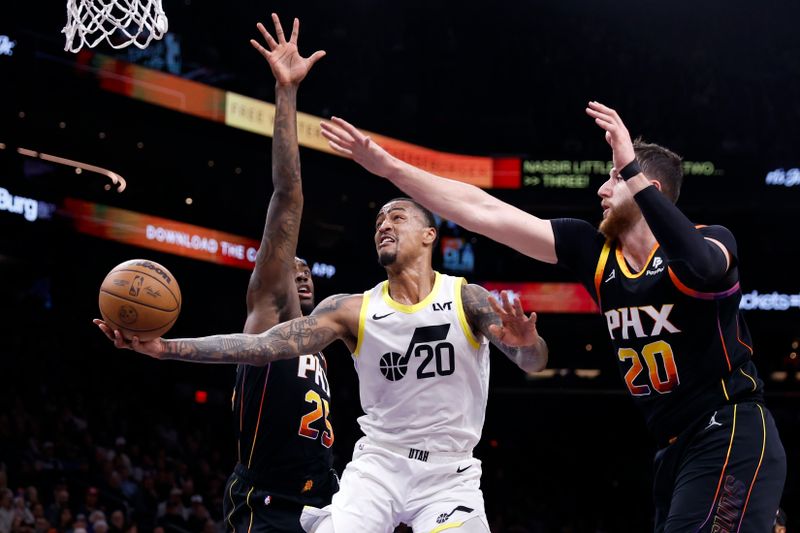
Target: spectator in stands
{"x":118,"y":522}
{"x":173,"y":516}
{"x":6,"y":510}
{"x":90,"y":503}
{"x":22,"y":513}
{"x":198,"y":514}
{"x":61,"y":502}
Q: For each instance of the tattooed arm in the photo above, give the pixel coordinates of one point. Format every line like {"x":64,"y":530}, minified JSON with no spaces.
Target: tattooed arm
{"x":506,"y":327}
{"x":271,"y":293}
{"x":335,"y":318}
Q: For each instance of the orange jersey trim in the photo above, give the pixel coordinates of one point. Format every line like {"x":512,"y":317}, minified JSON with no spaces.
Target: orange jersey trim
{"x":760,"y":460}
{"x":724,"y":467}
{"x":623,"y":264}
{"x":698,"y":294}
{"x":601,"y":266}
{"x":739,"y":338}
{"x":258,"y":420}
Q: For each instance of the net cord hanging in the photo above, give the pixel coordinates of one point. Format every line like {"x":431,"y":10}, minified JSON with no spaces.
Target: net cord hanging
{"x":119,"y":22}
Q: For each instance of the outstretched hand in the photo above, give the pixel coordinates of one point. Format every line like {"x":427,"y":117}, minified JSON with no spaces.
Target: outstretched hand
{"x":288,"y":66}
{"x":347,"y":140}
{"x":516,"y":329}
{"x":154,"y":348}
{"x":617,"y":135}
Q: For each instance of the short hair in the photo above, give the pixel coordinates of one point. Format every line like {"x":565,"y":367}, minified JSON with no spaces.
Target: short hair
{"x":427,"y":215}
{"x":662,"y":164}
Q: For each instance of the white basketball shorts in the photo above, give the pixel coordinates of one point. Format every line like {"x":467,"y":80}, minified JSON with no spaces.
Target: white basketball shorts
{"x":385,"y":485}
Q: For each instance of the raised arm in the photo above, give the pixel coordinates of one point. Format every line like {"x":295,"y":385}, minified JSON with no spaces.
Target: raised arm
{"x":704,"y":259}
{"x":506,"y":326}
{"x":464,"y":204}
{"x":335,"y":318}
{"x":271,"y":293}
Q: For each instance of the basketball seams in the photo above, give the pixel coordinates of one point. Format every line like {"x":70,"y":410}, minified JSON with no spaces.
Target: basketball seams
{"x":137,"y":302}
{"x":149,"y":275}
{"x":126,"y":328}
{"x":160,"y":282}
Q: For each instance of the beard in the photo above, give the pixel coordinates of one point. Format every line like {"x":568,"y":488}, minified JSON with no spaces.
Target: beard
{"x":620,"y":219}
{"x":387,"y":258}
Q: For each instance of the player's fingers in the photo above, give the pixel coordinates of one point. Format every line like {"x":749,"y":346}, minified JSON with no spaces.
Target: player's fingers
{"x":606,"y":125}
{"x":612,"y":113}
{"x":339,"y":132}
{"x":498,"y":331}
{"x":316,"y":56}
{"x":507,"y":303}
{"x":349,"y":128}
{"x":340,"y":149}
{"x":135,"y":343}
{"x":598,"y":114}
{"x":533,"y":317}
{"x":267,"y":36}
{"x":495,"y":305}
{"x":594,"y":104}
{"x":104,"y":328}
{"x":518,"y":308}
{"x":261,"y":50}
{"x":119,"y":341}
{"x":295,"y":31}
{"x":278,"y":29}
{"x":335,"y":136}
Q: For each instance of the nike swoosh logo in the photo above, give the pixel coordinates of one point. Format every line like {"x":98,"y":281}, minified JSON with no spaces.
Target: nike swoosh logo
{"x":459,"y":469}
{"x":376,"y":317}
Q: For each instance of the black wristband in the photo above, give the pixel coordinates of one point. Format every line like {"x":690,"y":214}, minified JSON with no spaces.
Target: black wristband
{"x":630,"y":170}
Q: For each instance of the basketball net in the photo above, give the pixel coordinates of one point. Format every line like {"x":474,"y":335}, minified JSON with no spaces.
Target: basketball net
{"x":120,"y":22}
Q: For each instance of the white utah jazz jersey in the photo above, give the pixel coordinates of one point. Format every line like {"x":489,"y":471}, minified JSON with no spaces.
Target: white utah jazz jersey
{"x":424,"y":377}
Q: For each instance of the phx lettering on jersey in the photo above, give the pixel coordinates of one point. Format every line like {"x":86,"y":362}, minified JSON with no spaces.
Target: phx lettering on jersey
{"x":628,"y":320}
{"x":310,"y":363}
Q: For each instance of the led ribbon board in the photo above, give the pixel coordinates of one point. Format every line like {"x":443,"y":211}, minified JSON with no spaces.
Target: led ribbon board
{"x":257,"y":116}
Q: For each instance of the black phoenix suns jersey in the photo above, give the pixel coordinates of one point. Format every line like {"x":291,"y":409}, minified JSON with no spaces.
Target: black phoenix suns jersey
{"x":682,"y":351}
{"x":283,"y":425}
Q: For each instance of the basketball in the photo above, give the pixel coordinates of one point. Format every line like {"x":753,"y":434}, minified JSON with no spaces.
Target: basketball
{"x":141,"y":298}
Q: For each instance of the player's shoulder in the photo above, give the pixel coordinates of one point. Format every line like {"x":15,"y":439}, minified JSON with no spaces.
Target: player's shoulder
{"x":475,"y":300}
{"x":720,"y":234}
{"x":339,"y":302}
{"x":574,"y":225}
{"x":571,"y":231}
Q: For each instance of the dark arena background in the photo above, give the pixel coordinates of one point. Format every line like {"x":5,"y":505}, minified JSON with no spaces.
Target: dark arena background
{"x":183,"y":122}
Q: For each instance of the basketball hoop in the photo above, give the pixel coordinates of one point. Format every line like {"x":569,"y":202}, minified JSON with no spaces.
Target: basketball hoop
{"x":120,"y":22}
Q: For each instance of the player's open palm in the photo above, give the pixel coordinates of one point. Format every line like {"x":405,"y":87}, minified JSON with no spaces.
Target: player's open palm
{"x":348,"y":141}
{"x":154,"y":348}
{"x":516,"y":328}
{"x":288,"y":66}
{"x":617,"y":135}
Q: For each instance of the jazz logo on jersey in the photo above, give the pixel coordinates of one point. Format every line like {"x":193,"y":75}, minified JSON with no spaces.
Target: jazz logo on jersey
{"x":438,"y":359}
{"x":629,"y":320}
